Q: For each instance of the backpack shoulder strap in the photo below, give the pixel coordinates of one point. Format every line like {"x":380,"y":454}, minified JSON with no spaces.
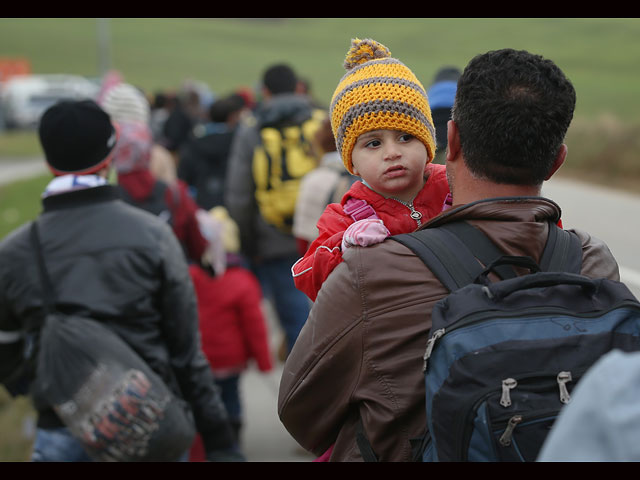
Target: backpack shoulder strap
{"x":481,"y":247}
{"x":366,"y":450}
{"x":452,"y":252}
{"x":563,"y":251}
{"x":47,"y":286}
{"x":444,"y":254}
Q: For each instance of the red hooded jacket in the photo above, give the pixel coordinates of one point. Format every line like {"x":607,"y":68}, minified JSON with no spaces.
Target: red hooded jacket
{"x":232,"y":324}
{"x":324,"y":254}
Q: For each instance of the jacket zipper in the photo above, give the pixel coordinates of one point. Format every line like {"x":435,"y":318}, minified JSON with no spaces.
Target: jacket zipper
{"x":415,"y":214}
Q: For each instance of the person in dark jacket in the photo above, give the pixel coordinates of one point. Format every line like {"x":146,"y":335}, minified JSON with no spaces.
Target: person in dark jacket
{"x":112,"y":262}
{"x":271,"y":250}
{"x":203,"y":159}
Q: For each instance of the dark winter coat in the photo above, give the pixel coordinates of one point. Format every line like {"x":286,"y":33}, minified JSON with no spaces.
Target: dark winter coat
{"x":123,"y":266}
{"x":203,"y":166}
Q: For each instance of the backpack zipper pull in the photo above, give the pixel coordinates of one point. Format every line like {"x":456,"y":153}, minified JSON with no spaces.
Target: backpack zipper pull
{"x":563,"y":378}
{"x":507,"y":385}
{"x":430,"y":343}
{"x":505,"y":438}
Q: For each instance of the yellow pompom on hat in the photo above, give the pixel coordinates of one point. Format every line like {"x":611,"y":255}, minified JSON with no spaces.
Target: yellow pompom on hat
{"x":378,"y":92}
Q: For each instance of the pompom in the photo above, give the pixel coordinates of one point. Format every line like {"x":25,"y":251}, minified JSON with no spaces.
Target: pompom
{"x":362,"y":51}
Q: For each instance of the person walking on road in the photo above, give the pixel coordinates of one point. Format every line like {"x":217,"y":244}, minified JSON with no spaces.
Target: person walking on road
{"x":261,"y":196}
{"x":109,"y":261}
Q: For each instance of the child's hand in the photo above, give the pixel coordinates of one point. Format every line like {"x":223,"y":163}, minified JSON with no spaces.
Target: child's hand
{"x":364,"y":233}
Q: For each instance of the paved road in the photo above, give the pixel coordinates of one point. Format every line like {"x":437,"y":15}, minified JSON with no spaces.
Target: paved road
{"x":264,"y":437}
{"x":12,"y":170}
{"x":605,"y":213}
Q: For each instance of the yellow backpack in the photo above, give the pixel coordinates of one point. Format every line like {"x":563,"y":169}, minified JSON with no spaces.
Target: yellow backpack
{"x":283,"y":157}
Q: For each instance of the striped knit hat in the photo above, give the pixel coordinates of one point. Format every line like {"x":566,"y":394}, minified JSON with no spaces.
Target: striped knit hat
{"x":125,"y":103}
{"x":378,"y":92}
{"x":133,"y":148}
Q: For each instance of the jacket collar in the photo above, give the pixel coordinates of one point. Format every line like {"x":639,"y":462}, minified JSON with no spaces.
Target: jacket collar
{"x":524,"y":209}
{"x":80,"y":198}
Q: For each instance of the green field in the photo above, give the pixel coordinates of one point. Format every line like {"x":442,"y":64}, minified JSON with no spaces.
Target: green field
{"x":601,"y":56}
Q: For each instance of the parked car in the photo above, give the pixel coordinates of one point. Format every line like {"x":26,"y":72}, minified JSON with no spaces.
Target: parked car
{"x":25,"y":97}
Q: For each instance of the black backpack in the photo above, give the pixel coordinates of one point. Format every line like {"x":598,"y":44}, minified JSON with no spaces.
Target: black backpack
{"x":156,"y":203}
{"x":503,"y":357}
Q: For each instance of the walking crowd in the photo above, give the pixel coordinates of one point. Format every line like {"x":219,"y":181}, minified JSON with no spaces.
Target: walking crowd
{"x":171,"y":218}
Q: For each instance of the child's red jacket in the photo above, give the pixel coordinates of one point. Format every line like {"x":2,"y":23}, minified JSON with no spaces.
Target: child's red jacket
{"x":324,"y":254}
{"x":232,"y":324}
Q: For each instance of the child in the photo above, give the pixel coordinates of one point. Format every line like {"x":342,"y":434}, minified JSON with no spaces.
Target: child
{"x":233,"y":329}
{"x":381,"y":120}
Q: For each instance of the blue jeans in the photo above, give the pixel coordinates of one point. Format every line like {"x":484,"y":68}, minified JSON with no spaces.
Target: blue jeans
{"x":58,"y":445}
{"x":230,"y":393}
{"x":291,"y":305}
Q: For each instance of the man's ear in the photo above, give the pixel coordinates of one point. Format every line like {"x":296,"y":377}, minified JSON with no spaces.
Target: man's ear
{"x":453,"y":140}
{"x":560,"y":158}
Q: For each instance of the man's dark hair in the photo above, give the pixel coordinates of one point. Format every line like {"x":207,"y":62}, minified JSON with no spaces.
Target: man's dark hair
{"x":280,"y":79}
{"x":223,"y":108}
{"x":512,"y":109}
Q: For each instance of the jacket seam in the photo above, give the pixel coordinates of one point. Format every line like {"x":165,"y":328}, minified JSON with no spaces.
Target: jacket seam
{"x":310,"y":268}
{"x":316,"y":360}
{"x":366,"y":360}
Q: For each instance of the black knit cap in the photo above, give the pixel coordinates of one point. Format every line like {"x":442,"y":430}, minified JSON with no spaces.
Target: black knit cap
{"x":77,"y":137}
